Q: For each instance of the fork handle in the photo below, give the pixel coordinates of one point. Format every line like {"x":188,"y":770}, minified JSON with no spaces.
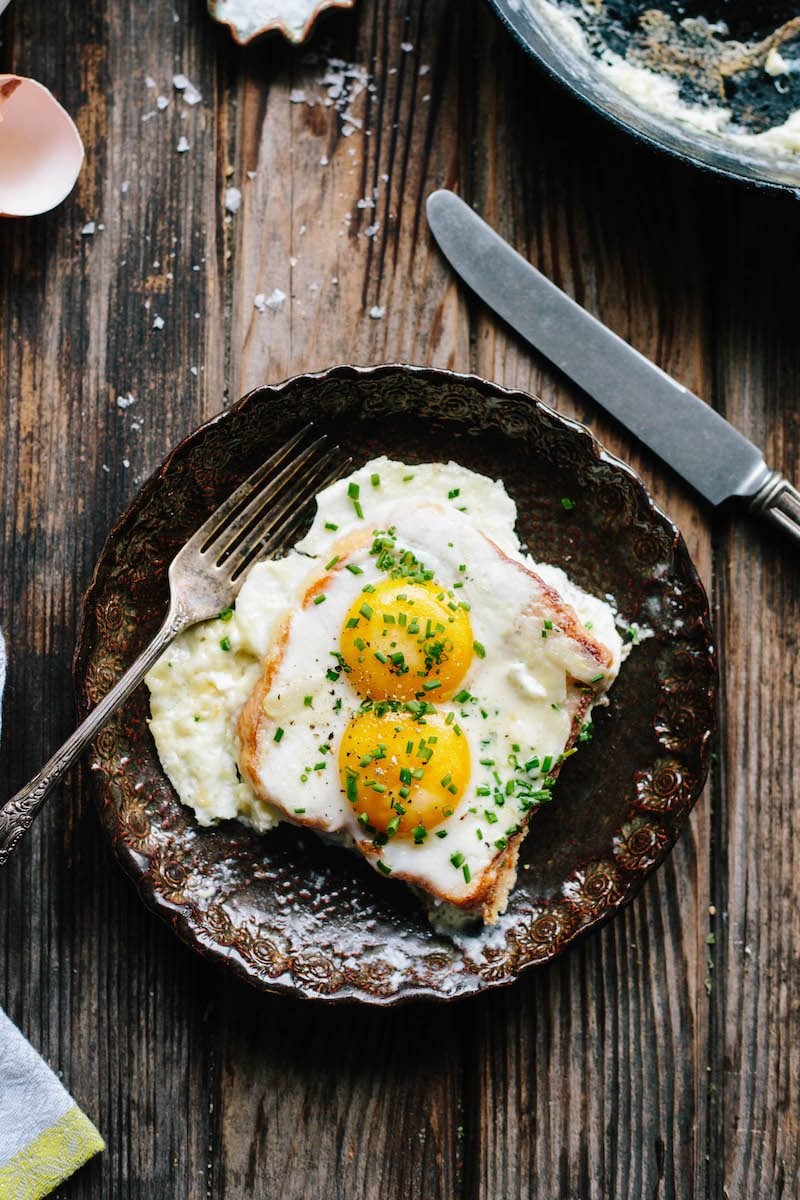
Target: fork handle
{"x":18,"y":813}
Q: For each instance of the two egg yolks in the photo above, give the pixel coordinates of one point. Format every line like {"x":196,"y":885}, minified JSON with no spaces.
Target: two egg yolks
{"x":405,"y":641}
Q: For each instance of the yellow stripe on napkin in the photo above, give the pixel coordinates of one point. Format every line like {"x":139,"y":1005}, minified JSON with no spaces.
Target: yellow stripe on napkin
{"x":50,"y":1158}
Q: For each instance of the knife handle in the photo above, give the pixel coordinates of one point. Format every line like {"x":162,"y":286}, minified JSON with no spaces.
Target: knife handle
{"x":779,"y":501}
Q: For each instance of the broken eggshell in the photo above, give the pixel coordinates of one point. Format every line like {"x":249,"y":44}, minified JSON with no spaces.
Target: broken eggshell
{"x":247,"y":19}
{"x":41,"y":151}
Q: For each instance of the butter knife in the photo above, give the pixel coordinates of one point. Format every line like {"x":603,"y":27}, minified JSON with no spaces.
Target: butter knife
{"x":685,"y":432}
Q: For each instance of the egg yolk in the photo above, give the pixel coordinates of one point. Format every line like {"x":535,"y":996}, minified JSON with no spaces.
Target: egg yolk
{"x":403,"y":640}
{"x":403,"y":777}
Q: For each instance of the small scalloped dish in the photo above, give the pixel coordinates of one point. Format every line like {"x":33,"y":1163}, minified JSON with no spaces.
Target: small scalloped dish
{"x":41,"y":152}
{"x":293,"y":915}
{"x":248,"y":19}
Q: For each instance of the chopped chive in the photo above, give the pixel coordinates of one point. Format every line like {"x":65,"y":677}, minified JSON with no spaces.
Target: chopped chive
{"x":441,"y":833}
{"x":448,"y":779}
{"x":479,"y":649}
{"x":451,"y":495}
{"x":381,"y":657}
{"x":547,"y":764}
{"x":320,"y":599}
{"x":457,"y":860}
{"x":407,"y":478}
{"x":462,"y":697}
{"x":352,"y":623}
{"x":225,"y":644}
{"x":501,"y":843}
{"x":382,"y":867}
{"x":278,"y":734}
{"x":548,"y":624}
{"x":359,"y":643}
{"x":419,"y":833}
{"x":354,"y":569}
{"x":393,"y":825}
{"x":365,"y":611}
{"x":332,"y":675}
{"x":308,"y":701}
{"x":491,"y":817}
{"x":375,"y":480}
{"x":597,"y":678}
{"x":330,"y":525}
{"x":333,"y":562}
{"x":380,"y":788}
{"x":352,"y":789}
{"x":226,"y":614}
{"x":353,"y":491}
{"x":431,"y":684}
{"x":467,"y":873}
{"x":299,"y":810}
{"x":388,"y":619}
{"x":567,"y":504}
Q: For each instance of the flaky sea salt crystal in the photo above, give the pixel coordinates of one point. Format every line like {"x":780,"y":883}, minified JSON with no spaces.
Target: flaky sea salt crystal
{"x":260,"y":302}
{"x":89,"y":229}
{"x":187,"y":89}
{"x":162,"y":102}
{"x":124,"y":186}
{"x":125,"y":401}
{"x":377,"y":312}
{"x":182,"y":145}
{"x":233,"y":199}
{"x":371,"y":230}
{"x":158,"y":322}
{"x":297,"y":96}
{"x":275,"y":299}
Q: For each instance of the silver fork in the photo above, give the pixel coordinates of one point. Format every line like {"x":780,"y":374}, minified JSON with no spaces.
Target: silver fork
{"x":204,"y":578}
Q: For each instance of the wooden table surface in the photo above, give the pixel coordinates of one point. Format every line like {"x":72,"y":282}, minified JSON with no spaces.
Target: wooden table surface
{"x":660,"y":1058}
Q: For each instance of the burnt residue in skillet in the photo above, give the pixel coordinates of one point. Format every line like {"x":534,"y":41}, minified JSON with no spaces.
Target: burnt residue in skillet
{"x":718,"y":50}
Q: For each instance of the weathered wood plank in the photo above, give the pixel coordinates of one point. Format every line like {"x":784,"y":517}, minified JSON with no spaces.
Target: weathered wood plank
{"x":757,"y":828}
{"x":342,"y":145}
{"x":592,"y":1074}
{"x":99,"y":987}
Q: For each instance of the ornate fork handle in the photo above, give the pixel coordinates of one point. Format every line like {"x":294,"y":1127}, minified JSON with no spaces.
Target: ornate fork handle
{"x":18,"y":814}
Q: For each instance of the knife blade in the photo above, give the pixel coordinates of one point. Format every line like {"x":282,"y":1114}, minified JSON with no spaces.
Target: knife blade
{"x":685,"y":432}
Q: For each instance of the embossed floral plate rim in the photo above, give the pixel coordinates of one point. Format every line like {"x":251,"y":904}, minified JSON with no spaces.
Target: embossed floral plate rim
{"x":662,"y":792}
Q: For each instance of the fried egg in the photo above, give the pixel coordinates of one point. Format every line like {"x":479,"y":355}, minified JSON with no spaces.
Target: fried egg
{"x":405,"y":681}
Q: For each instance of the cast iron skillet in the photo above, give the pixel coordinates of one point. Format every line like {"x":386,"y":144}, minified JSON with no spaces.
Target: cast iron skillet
{"x":581,"y":77}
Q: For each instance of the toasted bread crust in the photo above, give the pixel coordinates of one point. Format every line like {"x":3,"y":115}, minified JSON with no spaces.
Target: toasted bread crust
{"x":488,"y":897}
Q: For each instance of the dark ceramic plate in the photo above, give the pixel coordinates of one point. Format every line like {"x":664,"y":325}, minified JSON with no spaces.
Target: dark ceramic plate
{"x":293,"y":915}
{"x":676,"y":49}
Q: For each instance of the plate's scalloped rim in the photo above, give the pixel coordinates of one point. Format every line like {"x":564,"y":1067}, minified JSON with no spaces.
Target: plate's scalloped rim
{"x":179,"y":917}
{"x":277,"y":25}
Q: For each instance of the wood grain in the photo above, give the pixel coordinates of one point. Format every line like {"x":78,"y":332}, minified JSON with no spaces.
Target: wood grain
{"x":649,"y":1062}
